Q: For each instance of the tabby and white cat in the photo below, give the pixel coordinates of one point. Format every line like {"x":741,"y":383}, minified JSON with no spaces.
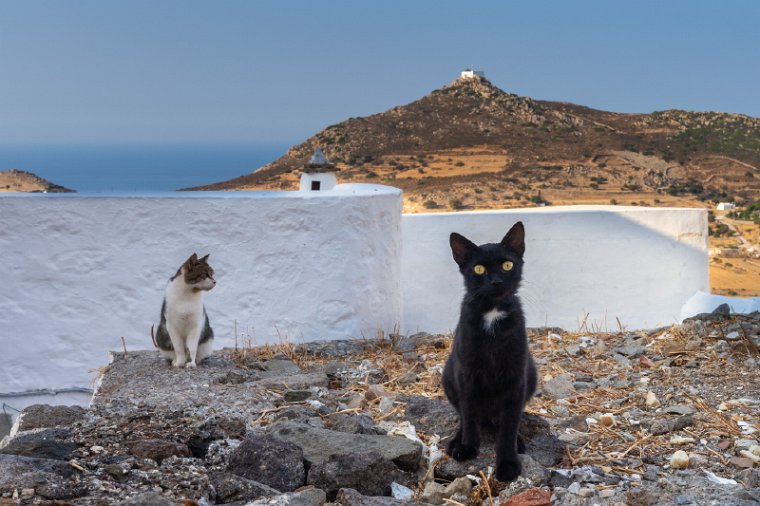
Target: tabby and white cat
{"x":184,"y":332}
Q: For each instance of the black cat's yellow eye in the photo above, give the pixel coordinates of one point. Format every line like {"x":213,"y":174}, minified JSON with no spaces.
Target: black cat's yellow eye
{"x":479,"y":269}
{"x":507,"y":266}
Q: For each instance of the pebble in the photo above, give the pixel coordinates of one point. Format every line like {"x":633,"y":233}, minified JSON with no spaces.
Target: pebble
{"x":574,"y":488}
{"x":679,"y":460}
{"x":651,"y":400}
{"x":606,"y":493}
{"x":750,"y":455}
{"x":680,"y":440}
{"x":755,"y":449}
{"x":607,"y":419}
{"x":680,"y":409}
{"x":585,"y":492}
{"x":697,"y":460}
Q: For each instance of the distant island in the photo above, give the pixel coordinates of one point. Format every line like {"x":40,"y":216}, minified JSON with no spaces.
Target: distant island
{"x":470,"y":145}
{"x":14,"y":180}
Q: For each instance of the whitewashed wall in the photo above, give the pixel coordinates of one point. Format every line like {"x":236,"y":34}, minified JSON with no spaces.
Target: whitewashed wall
{"x":592,"y":264}
{"x":80,"y":272}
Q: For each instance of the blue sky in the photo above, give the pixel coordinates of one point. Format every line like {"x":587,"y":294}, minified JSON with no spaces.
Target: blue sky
{"x":278,"y":71}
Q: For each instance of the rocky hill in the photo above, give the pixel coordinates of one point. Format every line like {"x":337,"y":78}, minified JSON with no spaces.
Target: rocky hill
{"x":470,"y":144}
{"x":14,"y":180}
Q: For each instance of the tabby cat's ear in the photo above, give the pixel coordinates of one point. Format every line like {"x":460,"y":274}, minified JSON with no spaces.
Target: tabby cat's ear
{"x":205,"y":259}
{"x":462,"y":248}
{"x":514,"y":241}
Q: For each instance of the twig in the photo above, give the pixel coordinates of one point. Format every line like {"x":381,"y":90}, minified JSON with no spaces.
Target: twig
{"x":488,"y":487}
{"x":124,"y":345}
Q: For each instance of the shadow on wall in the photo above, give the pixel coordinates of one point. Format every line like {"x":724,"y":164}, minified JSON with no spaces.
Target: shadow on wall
{"x":590,"y":268}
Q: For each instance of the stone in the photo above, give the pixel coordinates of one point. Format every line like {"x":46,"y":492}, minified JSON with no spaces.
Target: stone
{"x":46,"y":443}
{"x":433,"y":492}
{"x":697,"y":460}
{"x":679,"y":409}
{"x":146,"y":499}
{"x":294,"y":382}
{"x":319,"y":444}
{"x":574,"y":488}
{"x":607,"y":419}
{"x":38,"y":416}
{"x":268,"y":460}
{"x":369,"y":473}
{"x":353,"y":424}
{"x":297,"y":395}
{"x":606,"y":493}
{"x":401,"y":492}
{"x":742,"y":462}
{"x":679,"y":460}
{"x":534,"y":471}
{"x":158,"y":449}
{"x":431,"y":416}
{"x":231,"y":487}
{"x":585,"y":492}
{"x":350,"y":497}
{"x":560,"y":387}
{"x":530,"y":497}
{"x":461,"y":485}
{"x":307,"y":497}
{"x":51,"y":479}
{"x":670,"y":425}
{"x":651,"y":400}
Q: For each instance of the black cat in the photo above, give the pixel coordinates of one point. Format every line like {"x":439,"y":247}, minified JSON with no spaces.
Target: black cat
{"x":490,"y":374}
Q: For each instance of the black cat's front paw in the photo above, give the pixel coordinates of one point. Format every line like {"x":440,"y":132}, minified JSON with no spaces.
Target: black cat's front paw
{"x":461,"y":452}
{"x":508,"y":470}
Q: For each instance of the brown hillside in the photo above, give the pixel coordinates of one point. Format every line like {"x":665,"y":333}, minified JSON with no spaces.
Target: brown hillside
{"x":472,"y":145}
{"x":21,"y":181}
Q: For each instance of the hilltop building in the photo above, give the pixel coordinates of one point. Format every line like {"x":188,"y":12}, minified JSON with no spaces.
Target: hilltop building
{"x":472,"y":73}
{"x":318,"y":174}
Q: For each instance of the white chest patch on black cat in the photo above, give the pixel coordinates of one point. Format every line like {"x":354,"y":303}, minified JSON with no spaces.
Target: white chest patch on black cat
{"x":490,"y":318}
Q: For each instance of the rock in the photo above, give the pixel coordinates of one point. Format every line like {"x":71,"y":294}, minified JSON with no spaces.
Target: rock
{"x":697,"y":460}
{"x":299,"y":414}
{"x":297,"y":395}
{"x":742,"y":462}
{"x":353,"y":424}
{"x":52,"y":443}
{"x":585,"y":492}
{"x":534,"y":471}
{"x":606,"y":493}
{"x":560,"y":387}
{"x":51,"y":479}
{"x":401,"y":492}
{"x":269,"y":460}
{"x":670,"y":425}
{"x":366,"y":472}
{"x":158,"y":449}
{"x":386,"y":405}
{"x":431,"y":416}
{"x":307,"y":497}
{"x":319,"y":444}
{"x":651,"y":400}
{"x":146,"y":499}
{"x":574,"y":488}
{"x":231,"y":487}
{"x":531,"y":497}
{"x":117,"y":472}
{"x":461,"y":486}
{"x":433,"y":492}
{"x":350,"y":497}
{"x":38,"y":416}
{"x":679,"y":409}
{"x":679,"y":460}
{"x":630,"y":351}
{"x":293,"y":382}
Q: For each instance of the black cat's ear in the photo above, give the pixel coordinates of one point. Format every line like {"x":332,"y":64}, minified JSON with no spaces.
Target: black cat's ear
{"x":514,"y":241}
{"x":462,"y":248}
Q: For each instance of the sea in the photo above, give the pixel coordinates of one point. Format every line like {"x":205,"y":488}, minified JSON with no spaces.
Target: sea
{"x":138,"y":168}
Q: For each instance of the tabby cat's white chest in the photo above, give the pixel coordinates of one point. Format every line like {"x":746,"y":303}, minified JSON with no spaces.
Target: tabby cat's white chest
{"x":491,"y":317}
